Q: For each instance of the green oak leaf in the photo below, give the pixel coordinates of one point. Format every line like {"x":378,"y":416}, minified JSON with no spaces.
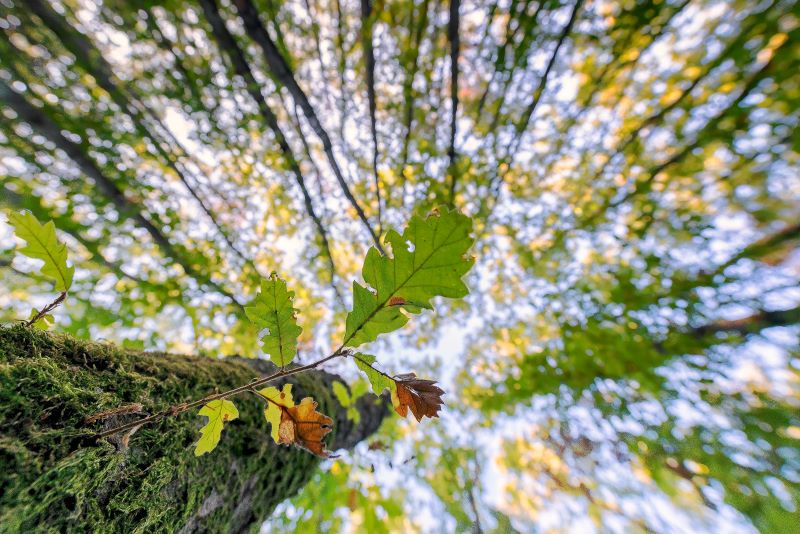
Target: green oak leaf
{"x":272,"y":309}
{"x":377,"y":380}
{"x":43,"y":244}
{"x":429,"y":259}
{"x":218,"y":412}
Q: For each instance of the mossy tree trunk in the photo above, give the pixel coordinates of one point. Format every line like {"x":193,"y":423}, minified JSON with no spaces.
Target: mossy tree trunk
{"x":56,"y":477}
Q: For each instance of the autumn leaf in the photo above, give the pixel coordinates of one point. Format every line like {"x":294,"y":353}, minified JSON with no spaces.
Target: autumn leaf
{"x":301,"y":425}
{"x":422,"y":396}
{"x":278,"y":400}
{"x":43,"y":244}
{"x":407,"y":391}
{"x":429,"y":259}
{"x":307,"y":426}
{"x":218,"y":412}
{"x":273,"y":310}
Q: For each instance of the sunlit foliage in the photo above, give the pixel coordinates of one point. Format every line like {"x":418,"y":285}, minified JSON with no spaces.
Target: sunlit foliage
{"x":627,"y":356}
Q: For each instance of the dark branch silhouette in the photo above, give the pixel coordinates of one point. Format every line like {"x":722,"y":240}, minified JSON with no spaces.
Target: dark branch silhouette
{"x":91,"y":59}
{"x":453,"y":38}
{"x":369,"y":64}
{"x":126,"y":207}
{"x":236,"y":57}
{"x":282,"y":72}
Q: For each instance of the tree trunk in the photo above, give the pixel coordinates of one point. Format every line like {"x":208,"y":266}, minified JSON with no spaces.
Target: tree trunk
{"x":57,"y":477}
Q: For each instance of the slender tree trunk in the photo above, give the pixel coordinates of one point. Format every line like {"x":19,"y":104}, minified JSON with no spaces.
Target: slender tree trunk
{"x":57,"y":477}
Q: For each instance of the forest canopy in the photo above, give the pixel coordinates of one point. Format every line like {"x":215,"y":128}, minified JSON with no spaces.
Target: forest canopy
{"x":625,"y":176}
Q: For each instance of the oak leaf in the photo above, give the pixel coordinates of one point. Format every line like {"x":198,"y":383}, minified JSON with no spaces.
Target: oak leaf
{"x":218,"y":412}
{"x":43,"y":244}
{"x":273,"y":311}
{"x":296,"y":424}
{"x":305,"y":427}
{"x":429,"y":259}
{"x":423,"y":396}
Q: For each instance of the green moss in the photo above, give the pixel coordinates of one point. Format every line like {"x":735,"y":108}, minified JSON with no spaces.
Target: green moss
{"x":56,"y":477}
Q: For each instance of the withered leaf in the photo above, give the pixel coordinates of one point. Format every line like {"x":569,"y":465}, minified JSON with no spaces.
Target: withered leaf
{"x":424,"y":397}
{"x":299,"y":424}
{"x":304,"y":426}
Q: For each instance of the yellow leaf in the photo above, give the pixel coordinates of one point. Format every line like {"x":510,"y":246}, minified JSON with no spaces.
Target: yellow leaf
{"x":218,"y":412}
{"x":275,"y":399}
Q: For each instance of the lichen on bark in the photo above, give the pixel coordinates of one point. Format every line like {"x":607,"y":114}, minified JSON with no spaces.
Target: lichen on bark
{"x":56,"y":477}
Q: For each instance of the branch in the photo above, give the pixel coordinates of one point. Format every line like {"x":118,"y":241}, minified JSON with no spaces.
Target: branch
{"x":614,"y":68}
{"x":453,"y":38}
{"x":659,"y":116}
{"x":765,"y":246}
{"x":752,"y":323}
{"x":177,"y":409}
{"x":91,"y":59}
{"x":415,"y":39}
{"x":521,"y":56}
{"x":522,"y":125}
{"x":369,"y":61}
{"x":525,"y":24}
{"x":701,"y":138}
{"x":342,"y":69}
{"x":237,"y":59}
{"x":47,"y":309}
{"x":497,"y":179}
{"x":127,"y":208}
{"x":316,"y":31}
{"x":282,"y":72}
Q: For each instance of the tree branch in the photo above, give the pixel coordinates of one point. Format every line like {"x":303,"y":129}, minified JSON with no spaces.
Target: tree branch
{"x":522,"y":125}
{"x":369,"y":64}
{"x":127,"y":208}
{"x":283,"y":73}
{"x":418,"y":28}
{"x":453,"y":38}
{"x":91,"y":59}
{"x":182,"y":407}
{"x":236,"y":57}
{"x":752,"y":323}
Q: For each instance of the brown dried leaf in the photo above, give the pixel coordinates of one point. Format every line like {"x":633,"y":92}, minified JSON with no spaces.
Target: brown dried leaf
{"x":422,"y":396}
{"x":304,"y":426}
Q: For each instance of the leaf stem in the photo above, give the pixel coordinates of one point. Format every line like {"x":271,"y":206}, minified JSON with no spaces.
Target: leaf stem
{"x":47,"y":309}
{"x":390,"y":377}
{"x":182,"y":407}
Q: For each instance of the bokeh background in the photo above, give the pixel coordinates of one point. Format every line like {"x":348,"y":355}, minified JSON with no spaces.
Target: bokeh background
{"x":628,"y":357}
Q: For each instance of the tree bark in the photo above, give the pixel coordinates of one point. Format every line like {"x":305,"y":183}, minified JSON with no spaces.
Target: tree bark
{"x":57,"y":392}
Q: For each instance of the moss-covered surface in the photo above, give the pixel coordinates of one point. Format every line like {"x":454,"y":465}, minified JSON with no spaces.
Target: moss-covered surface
{"x":54,"y":477}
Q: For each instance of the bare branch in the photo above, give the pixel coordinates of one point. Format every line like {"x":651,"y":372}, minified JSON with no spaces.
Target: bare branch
{"x":237,"y":59}
{"x":177,"y":409}
{"x":453,"y":38}
{"x":127,"y":208}
{"x":282,"y":72}
{"x":91,"y":59}
{"x":369,"y":63}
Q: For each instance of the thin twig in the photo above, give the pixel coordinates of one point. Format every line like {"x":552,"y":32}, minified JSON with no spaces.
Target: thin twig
{"x":250,"y":386}
{"x":47,"y":309}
